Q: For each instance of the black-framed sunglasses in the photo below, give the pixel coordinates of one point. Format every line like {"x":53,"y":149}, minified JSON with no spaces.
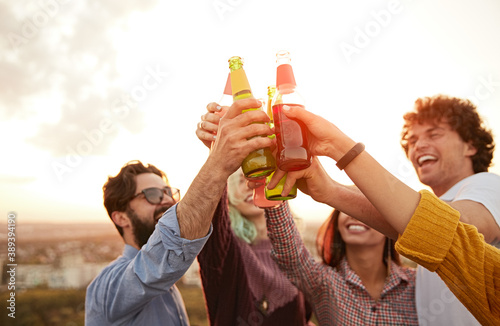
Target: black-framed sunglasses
{"x":155,"y":195}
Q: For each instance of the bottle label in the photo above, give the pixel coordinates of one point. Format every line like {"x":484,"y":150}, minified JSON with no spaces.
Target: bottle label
{"x":239,"y":81}
{"x":284,"y":77}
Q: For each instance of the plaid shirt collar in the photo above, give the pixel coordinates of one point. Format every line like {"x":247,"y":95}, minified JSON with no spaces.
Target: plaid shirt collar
{"x":396,"y":276}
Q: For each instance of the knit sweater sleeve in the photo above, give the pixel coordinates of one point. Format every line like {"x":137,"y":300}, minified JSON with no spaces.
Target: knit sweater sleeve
{"x":437,"y":240}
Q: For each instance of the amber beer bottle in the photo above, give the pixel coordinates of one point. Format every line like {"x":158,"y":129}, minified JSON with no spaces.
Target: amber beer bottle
{"x":259,"y":163}
{"x":291,"y":135}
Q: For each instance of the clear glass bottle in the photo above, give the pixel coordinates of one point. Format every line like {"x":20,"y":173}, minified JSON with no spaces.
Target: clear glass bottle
{"x":291,"y":135}
{"x":259,"y":163}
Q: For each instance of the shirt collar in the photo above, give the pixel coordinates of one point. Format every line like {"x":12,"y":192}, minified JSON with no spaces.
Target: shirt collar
{"x":396,"y":276}
{"x":129,"y":252}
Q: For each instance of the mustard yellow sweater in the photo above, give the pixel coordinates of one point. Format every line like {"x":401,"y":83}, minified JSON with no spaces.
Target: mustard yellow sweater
{"x":469,"y":266}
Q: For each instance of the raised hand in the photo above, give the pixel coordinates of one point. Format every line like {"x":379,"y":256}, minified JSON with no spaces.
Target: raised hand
{"x":206,"y":129}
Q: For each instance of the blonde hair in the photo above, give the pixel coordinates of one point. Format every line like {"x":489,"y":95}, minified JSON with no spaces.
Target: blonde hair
{"x":243,"y":228}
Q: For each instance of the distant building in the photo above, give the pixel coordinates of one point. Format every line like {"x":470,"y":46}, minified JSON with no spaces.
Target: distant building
{"x":72,"y":272}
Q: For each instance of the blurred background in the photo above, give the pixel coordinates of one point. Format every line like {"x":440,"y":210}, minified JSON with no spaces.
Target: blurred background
{"x":86,"y":86}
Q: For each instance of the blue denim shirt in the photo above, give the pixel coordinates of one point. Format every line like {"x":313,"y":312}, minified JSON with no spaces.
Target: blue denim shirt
{"x":138,"y":287}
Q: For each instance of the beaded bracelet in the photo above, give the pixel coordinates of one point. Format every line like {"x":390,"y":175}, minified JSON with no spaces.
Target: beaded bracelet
{"x":349,"y":156}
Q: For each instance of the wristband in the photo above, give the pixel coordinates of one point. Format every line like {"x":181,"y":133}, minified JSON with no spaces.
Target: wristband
{"x":351,"y":155}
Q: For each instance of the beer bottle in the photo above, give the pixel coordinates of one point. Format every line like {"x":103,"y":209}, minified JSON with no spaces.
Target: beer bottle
{"x":259,"y":163}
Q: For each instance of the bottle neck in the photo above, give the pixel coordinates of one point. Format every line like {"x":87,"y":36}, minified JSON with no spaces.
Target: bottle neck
{"x":239,"y":84}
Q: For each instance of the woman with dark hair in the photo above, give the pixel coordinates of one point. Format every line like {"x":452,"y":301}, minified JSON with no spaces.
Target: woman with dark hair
{"x":360,"y":280}
{"x":332,"y":248}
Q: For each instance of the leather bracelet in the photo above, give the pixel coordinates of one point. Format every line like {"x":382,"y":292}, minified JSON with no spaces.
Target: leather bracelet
{"x":351,"y":155}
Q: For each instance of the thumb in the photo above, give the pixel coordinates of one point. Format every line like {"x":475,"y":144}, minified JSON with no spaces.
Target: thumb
{"x":298,"y":113}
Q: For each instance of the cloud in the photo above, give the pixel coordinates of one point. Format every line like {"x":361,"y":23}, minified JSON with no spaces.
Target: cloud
{"x":62,"y":53}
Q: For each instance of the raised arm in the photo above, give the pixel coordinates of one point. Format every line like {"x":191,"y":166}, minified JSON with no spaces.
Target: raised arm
{"x":431,"y":232}
{"x":235,"y":140}
{"x":395,"y":201}
{"x":324,"y":140}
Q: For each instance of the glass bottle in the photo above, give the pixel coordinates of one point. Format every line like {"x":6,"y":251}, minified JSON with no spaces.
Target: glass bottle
{"x":275,"y":193}
{"x":260,"y":197}
{"x":259,"y":163}
{"x":291,"y":135}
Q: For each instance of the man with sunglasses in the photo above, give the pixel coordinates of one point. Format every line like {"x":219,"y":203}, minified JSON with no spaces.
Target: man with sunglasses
{"x":163,"y":234}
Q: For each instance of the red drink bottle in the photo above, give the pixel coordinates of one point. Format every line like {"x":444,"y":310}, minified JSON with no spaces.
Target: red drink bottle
{"x":291,"y":135}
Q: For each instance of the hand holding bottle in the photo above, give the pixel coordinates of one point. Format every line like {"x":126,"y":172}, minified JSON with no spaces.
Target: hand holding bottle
{"x":260,"y":163}
{"x":325,"y":139}
{"x":313,"y":181}
{"x":236,"y":136}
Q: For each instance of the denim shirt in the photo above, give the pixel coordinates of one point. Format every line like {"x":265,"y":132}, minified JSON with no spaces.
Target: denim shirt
{"x":138,"y":288}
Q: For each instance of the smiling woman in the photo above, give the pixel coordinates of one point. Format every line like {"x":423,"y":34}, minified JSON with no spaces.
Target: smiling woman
{"x":351,"y":253}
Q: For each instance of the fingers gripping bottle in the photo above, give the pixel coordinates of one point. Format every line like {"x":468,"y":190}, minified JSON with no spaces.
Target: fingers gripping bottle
{"x":291,"y":135}
{"x":259,"y":163}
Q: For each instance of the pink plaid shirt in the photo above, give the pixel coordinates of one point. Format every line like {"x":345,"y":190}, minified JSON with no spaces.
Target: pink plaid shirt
{"x":337,"y":295}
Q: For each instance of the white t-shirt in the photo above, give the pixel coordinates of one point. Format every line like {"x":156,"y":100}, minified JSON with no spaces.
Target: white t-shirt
{"x":436,"y":304}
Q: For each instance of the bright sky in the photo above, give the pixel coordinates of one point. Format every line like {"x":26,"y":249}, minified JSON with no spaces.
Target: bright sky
{"x":86,"y":86}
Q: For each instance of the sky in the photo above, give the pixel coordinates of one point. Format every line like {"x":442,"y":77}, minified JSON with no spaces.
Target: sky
{"x":86,"y":86}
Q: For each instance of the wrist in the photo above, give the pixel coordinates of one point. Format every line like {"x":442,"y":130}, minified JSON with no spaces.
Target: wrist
{"x":216,"y":170}
{"x":341,"y":147}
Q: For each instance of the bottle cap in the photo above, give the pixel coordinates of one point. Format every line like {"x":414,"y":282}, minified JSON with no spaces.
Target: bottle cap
{"x":235,"y":63}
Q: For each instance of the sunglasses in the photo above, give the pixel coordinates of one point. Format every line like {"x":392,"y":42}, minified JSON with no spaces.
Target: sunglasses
{"x":155,"y":195}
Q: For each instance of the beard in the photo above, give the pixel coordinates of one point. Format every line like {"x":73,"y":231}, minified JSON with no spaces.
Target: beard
{"x":142,"y":231}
